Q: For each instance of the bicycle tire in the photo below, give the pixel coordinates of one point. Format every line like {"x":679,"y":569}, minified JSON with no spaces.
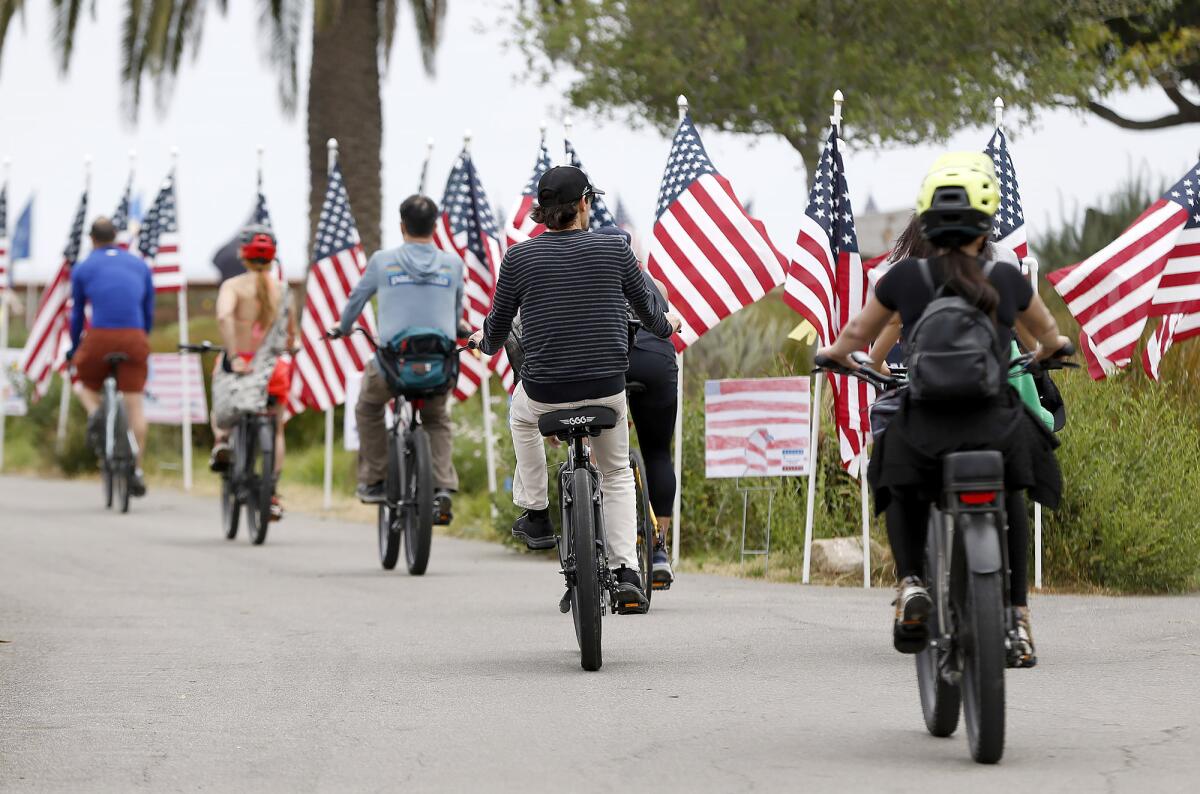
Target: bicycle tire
{"x":264,"y":483}
{"x":645,"y":522}
{"x":941,"y":701}
{"x":388,"y":521}
{"x":124,"y":472}
{"x":106,"y":476}
{"x":418,"y":520}
{"x":586,"y":594}
{"x":122,"y":455}
{"x":981,"y":641}
{"x":231,"y":510}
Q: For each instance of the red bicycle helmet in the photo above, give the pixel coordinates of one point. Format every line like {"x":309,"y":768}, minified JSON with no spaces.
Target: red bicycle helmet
{"x":257,"y":242}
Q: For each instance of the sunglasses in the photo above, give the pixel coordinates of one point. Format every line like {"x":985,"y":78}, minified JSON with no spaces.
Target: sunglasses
{"x":259,"y":261}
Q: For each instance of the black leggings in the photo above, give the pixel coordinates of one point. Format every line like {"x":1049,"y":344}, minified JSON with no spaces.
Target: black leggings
{"x":908,"y":526}
{"x":653,"y":413}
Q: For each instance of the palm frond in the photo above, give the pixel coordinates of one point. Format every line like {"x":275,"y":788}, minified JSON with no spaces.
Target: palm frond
{"x":9,"y":9}
{"x":428,"y":14}
{"x":388,"y":13}
{"x":66,"y":22}
{"x":284,"y":18}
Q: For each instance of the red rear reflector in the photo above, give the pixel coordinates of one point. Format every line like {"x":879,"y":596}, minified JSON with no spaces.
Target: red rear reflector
{"x":977,"y":497}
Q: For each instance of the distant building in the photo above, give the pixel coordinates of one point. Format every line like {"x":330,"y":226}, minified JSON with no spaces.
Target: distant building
{"x":878,"y":230}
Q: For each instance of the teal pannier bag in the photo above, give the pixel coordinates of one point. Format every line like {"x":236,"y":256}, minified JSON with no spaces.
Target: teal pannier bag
{"x":419,"y":362}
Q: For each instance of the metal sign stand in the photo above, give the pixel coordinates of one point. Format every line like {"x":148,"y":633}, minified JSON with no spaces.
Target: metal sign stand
{"x":764,"y":552}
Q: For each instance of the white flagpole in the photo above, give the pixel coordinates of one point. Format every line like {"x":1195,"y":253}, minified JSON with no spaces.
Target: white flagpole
{"x":813,"y":460}
{"x":425,"y":165}
{"x":5,"y":295}
{"x":185,"y":416}
{"x":677,"y":507}
{"x":567,"y":125}
{"x":866,"y":515}
{"x":998,"y":105}
{"x":64,"y":399}
{"x":1037,"y":508}
{"x":331,"y":160}
{"x":485,"y":391}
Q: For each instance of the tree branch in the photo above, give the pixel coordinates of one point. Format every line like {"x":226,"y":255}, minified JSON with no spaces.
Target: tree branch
{"x":1190,"y":115}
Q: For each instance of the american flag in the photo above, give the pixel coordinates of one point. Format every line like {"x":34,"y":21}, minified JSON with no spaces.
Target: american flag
{"x":158,"y":240}
{"x":1171,"y":329}
{"x":755,"y":427}
{"x":121,"y":218}
{"x":1008,"y":226}
{"x":713,"y":257}
{"x":322,"y":365}
{"x":468,"y":228}
{"x":49,"y":336}
{"x":1152,"y":269}
{"x":4,"y":238}
{"x":522,"y":227}
{"x":599,"y":215}
{"x":827,"y":285}
{"x":262,"y":217}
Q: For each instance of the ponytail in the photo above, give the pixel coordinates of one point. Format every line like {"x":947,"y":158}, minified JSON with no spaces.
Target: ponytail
{"x":266,"y":299}
{"x":964,"y":277}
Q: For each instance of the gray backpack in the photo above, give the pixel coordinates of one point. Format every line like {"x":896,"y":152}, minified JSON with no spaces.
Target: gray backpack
{"x":953,"y":349}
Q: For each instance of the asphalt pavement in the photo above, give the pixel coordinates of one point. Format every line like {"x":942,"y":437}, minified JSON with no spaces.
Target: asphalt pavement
{"x":144,"y":651}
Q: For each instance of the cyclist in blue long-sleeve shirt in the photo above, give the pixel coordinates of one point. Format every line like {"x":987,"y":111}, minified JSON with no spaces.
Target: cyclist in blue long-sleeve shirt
{"x":120,"y":290}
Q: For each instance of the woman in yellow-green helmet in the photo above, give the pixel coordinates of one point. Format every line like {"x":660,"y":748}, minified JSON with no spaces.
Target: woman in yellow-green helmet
{"x":956,"y":204}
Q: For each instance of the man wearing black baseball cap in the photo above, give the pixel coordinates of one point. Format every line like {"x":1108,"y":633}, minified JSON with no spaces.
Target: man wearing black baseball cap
{"x":572,"y":288}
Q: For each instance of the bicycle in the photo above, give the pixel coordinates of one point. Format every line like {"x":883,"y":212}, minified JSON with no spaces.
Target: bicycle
{"x":407,"y":510}
{"x":249,"y":480}
{"x":118,"y":449}
{"x":972,"y":629}
{"x":648,"y":534}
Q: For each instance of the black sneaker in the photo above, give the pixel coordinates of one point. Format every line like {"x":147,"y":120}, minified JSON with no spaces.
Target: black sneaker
{"x":372,"y":494}
{"x":221,"y":455}
{"x":442,"y":508}
{"x":910,"y":633}
{"x":628,"y":592}
{"x":535,"y":529}
{"x":137,"y":483}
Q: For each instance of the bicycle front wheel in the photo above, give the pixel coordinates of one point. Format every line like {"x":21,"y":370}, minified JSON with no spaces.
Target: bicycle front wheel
{"x":106,"y":474}
{"x":388,"y":521}
{"x":418,"y":517}
{"x":121,"y":477}
{"x":586,"y":594}
{"x":645,"y":522}
{"x":231,"y":510}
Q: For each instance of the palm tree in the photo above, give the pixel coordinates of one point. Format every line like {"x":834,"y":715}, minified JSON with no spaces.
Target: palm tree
{"x":351,"y":41}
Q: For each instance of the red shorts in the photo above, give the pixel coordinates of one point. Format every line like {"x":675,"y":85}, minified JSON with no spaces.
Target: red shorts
{"x":280,"y":384}
{"x":97,"y":343}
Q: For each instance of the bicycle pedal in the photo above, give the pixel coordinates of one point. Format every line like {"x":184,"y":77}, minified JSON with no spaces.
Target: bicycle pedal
{"x":564,"y":604}
{"x":660,"y":585}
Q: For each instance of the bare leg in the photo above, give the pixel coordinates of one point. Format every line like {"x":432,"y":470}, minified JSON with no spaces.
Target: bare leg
{"x":135,"y":407}
{"x":90,"y":400}
{"x":279,"y":446}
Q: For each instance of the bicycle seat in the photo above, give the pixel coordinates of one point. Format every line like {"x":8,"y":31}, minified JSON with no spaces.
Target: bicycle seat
{"x":568,"y":423}
{"x":116,"y":358}
{"x":634,"y":387}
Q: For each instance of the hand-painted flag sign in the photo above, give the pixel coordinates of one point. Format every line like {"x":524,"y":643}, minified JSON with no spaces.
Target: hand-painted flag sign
{"x":756,"y":427}
{"x":165,"y":389}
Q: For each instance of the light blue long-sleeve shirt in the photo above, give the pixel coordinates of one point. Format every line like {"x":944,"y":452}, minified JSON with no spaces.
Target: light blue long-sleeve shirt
{"x":419,"y":286}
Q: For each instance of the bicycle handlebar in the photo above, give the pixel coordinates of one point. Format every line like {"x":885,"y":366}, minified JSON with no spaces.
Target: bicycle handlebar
{"x":336,"y":333}
{"x":882,"y":382}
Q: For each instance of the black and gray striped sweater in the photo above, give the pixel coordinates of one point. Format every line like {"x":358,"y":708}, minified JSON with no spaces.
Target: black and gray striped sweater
{"x":571,"y":289}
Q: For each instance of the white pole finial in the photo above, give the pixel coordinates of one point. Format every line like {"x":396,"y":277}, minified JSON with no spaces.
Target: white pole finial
{"x":838,"y":99}
{"x":682,"y":104}
{"x":999,"y":106}
{"x":466,"y":140}
{"x":428,"y":146}
{"x":542,"y":127}
{"x":331,"y":149}
{"x":87,"y":172}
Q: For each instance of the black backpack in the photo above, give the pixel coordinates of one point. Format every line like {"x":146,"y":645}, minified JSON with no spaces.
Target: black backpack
{"x":954,"y":352}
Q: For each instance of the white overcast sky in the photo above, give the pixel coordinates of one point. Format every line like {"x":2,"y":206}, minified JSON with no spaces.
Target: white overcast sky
{"x":224,"y":104}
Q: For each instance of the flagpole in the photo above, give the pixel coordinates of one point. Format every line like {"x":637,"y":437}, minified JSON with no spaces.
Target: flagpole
{"x":331,"y":160}
{"x":677,"y":506}
{"x":1037,"y":508}
{"x":485,"y":391}
{"x":5,"y":295}
{"x":64,"y":398}
{"x":425,"y":165}
{"x":185,"y":416}
{"x":567,"y":124}
{"x":814,"y":457}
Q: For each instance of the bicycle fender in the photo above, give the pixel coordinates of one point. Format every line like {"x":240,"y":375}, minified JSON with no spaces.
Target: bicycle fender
{"x":981,"y":541}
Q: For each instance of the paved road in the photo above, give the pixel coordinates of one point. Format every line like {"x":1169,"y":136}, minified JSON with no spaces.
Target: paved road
{"x":143,"y":651}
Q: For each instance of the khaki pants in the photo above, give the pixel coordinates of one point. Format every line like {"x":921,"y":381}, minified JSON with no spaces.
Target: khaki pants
{"x":610,"y":453}
{"x":372,"y":432}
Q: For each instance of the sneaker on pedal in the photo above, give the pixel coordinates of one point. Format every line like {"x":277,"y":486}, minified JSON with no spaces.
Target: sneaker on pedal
{"x":221,"y":455}
{"x":1026,"y":654}
{"x":628,"y":592}
{"x":913,"y":607}
{"x":661,"y":576}
{"x":442,"y":507}
{"x":535,"y":529}
{"x":371,"y":494}
{"x":276,"y":508}
{"x":137,"y":483}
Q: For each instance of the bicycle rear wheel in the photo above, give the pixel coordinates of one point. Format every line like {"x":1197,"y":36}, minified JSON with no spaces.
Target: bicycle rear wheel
{"x":121,"y":481}
{"x":389,"y":521}
{"x":418,"y":510}
{"x":645,"y":522}
{"x":981,"y":641}
{"x":586,"y":594}
{"x":941,"y":701}
{"x":261,"y":468}
{"x":106,"y":475}
{"x":231,"y":510}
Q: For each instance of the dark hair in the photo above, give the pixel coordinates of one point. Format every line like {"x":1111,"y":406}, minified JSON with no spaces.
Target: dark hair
{"x":419,"y":215}
{"x":557,"y":216}
{"x":964,"y":277}
{"x":103,"y":231}
{"x":911,"y":242}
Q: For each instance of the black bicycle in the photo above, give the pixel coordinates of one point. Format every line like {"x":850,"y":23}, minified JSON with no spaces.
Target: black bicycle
{"x":648,"y":533}
{"x":116,"y":446}
{"x":972,"y":631}
{"x":249,"y":480}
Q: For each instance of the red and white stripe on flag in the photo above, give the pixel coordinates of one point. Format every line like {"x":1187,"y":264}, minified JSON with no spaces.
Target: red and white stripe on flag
{"x":522,"y":227}
{"x":1171,"y":329}
{"x":45,"y":349}
{"x":4,"y":264}
{"x":166,"y":267}
{"x":321,"y":367}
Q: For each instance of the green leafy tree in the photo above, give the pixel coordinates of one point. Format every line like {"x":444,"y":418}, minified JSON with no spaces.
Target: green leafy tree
{"x":351,"y":43}
{"x":911,"y":70}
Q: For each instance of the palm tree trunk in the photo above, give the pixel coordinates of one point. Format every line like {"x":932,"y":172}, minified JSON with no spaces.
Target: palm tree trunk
{"x":344,"y":103}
